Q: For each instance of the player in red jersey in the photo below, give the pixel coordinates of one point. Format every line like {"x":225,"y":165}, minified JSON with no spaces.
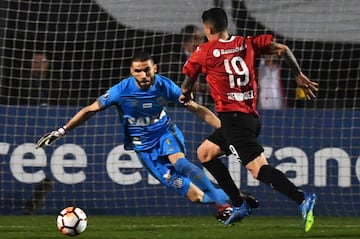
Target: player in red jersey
{"x":228,"y":62}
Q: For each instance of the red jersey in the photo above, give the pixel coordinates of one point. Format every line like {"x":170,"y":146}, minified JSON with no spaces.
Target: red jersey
{"x":230,"y":71}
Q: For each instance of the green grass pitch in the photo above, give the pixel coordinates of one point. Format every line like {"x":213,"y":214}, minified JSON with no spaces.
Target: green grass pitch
{"x":112,"y":227}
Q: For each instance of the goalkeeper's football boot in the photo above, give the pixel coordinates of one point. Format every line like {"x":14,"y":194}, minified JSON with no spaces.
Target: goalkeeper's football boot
{"x":251,"y":200}
{"x":223,"y":213}
{"x":238,"y":213}
{"x":307,"y":210}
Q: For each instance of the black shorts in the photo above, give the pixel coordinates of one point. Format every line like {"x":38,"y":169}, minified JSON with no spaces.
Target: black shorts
{"x":238,"y":135}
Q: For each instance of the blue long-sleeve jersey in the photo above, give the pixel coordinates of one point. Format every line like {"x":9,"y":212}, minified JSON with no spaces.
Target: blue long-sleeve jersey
{"x":142,"y":112}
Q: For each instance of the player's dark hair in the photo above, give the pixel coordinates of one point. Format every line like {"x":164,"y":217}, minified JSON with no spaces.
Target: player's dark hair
{"x":142,"y":56}
{"x":187,"y":32}
{"x":217,"y":18}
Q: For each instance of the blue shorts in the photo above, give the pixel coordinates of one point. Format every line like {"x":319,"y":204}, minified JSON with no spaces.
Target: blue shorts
{"x":156,"y":161}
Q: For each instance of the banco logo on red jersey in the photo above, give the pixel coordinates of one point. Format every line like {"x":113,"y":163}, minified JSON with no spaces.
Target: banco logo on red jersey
{"x":219,"y":52}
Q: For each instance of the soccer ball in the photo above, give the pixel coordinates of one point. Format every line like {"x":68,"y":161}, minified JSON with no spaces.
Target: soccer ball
{"x":71,"y":221}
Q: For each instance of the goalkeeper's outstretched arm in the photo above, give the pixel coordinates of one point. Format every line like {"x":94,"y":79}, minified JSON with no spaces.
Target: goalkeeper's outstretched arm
{"x":203,"y":113}
{"x":83,"y":115}
{"x":78,"y":119}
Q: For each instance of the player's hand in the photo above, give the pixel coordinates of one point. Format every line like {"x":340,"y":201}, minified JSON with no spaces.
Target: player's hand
{"x":51,"y":137}
{"x":185,"y":98}
{"x":191,"y":105}
{"x":309,"y":87}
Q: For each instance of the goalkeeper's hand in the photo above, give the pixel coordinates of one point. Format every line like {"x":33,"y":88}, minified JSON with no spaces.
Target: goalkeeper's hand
{"x":51,"y":137}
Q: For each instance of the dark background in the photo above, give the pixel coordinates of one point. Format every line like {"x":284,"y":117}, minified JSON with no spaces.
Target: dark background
{"x":89,"y":51}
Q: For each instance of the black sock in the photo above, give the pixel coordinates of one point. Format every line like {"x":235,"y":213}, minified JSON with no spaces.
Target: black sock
{"x":218,"y":170}
{"x":280,"y":182}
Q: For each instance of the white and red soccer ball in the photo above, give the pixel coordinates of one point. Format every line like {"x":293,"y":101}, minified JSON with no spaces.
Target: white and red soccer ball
{"x":71,"y":221}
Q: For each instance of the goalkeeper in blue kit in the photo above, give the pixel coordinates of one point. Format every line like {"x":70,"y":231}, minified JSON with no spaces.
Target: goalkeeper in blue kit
{"x":151,"y":133}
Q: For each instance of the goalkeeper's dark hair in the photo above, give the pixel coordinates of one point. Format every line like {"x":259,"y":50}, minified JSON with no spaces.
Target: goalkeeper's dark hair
{"x":217,"y":18}
{"x":142,"y":56}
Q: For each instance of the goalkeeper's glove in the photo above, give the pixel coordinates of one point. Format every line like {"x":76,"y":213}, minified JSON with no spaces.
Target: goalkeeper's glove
{"x":51,"y":137}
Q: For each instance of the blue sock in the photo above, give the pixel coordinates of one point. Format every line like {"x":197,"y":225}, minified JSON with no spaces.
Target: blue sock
{"x":222,"y":194}
{"x":207,"y":199}
{"x":198,"y":177}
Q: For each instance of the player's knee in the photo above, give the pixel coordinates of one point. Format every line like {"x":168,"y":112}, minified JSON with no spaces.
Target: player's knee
{"x":254,"y":170}
{"x":194,"y":194}
{"x":207,"y":152}
{"x":254,"y":173}
{"x":202,"y":154}
{"x":195,"y":199}
{"x":255,"y":165}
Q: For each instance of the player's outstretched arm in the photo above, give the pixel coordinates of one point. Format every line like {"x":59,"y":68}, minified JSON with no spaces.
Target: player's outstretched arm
{"x":309,"y":87}
{"x":203,"y":113}
{"x":78,"y":119}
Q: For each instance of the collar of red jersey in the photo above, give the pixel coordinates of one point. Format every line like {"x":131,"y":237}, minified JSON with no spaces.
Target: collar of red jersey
{"x":227,"y":40}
